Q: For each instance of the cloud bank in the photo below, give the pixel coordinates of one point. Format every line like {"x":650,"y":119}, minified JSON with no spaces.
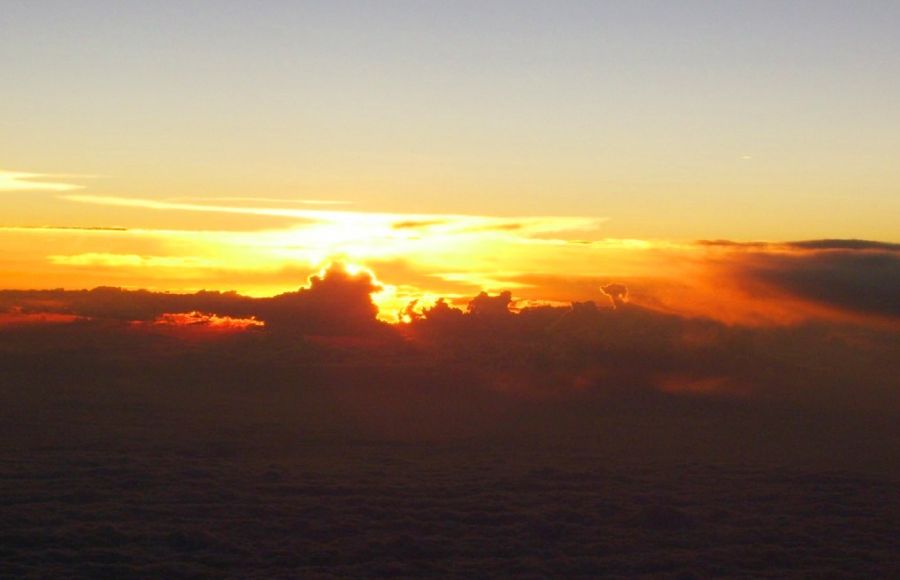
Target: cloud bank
{"x":153,"y":433}
{"x":587,"y":348}
{"x":850,"y":276}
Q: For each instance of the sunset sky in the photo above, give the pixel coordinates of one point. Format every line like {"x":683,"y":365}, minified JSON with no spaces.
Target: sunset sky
{"x":545,"y":148}
{"x":449,"y":288}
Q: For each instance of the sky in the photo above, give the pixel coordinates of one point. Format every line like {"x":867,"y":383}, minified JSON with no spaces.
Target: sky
{"x":542,"y":147}
{"x":401,"y":287}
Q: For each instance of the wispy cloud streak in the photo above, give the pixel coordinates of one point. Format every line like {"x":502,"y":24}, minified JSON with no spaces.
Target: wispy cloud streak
{"x":435,"y":222}
{"x":15,"y":181}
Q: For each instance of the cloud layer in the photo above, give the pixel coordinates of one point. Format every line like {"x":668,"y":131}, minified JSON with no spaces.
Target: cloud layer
{"x":824,"y":277}
{"x":592,"y":348}
{"x":158,"y":434}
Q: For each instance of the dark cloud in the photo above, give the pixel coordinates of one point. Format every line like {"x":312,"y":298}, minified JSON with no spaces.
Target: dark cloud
{"x":851,"y":275}
{"x":484,"y":305}
{"x":617,"y":292}
{"x":336,"y":302}
{"x":835,"y":244}
{"x":632,"y":353}
{"x":833,"y":277}
{"x":549,"y":351}
{"x":482,"y":441}
{"x":125,"y":305}
{"x":823,"y":244}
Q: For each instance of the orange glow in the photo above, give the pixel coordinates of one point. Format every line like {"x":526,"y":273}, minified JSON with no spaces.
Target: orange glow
{"x":18,"y":318}
{"x":551,"y":260}
{"x":207,"y":320}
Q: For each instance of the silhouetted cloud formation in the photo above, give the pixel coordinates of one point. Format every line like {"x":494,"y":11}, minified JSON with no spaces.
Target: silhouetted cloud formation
{"x":837,"y":244}
{"x":823,"y":244}
{"x":150,"y":434}
{"x":862,"y":282}
{"x":581,"y":349}
{"x":617,"y":292}
{"x":484,"y":305}
{"x":853,"y":275}
{"x":336,"y":302}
